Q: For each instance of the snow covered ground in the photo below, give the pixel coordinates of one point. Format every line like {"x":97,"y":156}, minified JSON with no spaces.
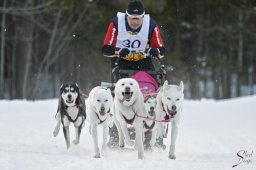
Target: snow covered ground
{"x":211,"y":134}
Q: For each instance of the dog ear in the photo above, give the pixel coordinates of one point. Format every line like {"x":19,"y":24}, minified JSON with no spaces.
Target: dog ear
{"x":165,"y":86}
{"x":61,"y":88}
{"x":109,"y":91}
{"x":181,"y":86}
{"x":78,"y":99}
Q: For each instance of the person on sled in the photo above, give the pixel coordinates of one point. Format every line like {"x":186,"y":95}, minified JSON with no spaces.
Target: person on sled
{"x":135,"y":38}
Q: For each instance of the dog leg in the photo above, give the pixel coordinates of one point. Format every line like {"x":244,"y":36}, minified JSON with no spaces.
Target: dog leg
{"x":127,"y":139}
{"x":78,"y":133}
{"x":153,"y":138}
{"x":160,"y":130}
{"x":95,"y":140}
{"x":120,"y":133}
{"x":105,"y":137}
{"x":139,"y":139}
{"x":173,"y":140}
{"x":67,"y":136}
{"x":57,"y":129}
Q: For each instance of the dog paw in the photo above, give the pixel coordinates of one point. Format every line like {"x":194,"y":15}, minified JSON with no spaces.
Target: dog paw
{"x":97,"y":156}
{"x":129,"y":142}
{"x":140,"y":156}
{"x":163,"y":147}
{"x":172,"y":157}
{"x":121,"y":145}
{"x":56,"y":132}
{"x":75,"y":142}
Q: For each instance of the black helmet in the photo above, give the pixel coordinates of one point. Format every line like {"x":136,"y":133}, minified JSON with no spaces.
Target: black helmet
{"x":135,"y":7}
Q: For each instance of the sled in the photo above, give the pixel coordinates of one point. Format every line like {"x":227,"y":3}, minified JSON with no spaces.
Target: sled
{"x":149,"y":81}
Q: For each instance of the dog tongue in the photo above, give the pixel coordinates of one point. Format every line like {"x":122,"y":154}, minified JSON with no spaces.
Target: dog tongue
{"x":102,"y":113}
{"x":127,"y":96}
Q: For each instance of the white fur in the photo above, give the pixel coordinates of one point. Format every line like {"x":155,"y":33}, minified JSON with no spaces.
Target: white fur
{"x":129,"y":108}
{"x":99,"y":97}
{"x":167,"y":97}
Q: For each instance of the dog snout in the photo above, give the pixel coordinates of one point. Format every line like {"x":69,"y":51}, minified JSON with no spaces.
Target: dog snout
{"x":127,"y":89}
{"x":152,"y":108}
{"x":69,"y":96}
{"x":102,"y":109}
{"x":174,"y":107}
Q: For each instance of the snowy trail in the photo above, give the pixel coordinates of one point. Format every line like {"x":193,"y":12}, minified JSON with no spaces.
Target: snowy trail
{"x":211,"y":133}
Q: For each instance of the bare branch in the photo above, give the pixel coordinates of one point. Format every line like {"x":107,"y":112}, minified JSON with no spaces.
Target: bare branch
{"x":27,"y":10}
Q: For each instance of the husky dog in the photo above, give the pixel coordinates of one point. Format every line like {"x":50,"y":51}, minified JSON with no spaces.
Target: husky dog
{"x":98,"y":107}
{"x":71,"y":108}
{"x":149,"y":122}
{"x":169,"y":107}
{"x":128,"y":103}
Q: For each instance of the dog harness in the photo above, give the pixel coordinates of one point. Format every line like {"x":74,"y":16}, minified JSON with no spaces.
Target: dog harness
{"x":148,"y":127}
{"x":129,"y":121}
{"x":80,"y":113}
{"x":101,"y":121}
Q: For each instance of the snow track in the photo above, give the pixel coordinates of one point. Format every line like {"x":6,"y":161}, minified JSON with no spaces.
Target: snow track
{"x":211,"y":133}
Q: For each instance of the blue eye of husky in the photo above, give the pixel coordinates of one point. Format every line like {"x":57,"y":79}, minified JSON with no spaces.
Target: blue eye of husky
{"x":98,"y":100}
{"x":122,"y":84}
{"x":168,"y":98}
{"x":131,"y":84}
{"x":72,"y":90}
{"x":177,"y":99}
{"x":106,"y":100}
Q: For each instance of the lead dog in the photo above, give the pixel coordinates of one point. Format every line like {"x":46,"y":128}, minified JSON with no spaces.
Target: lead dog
{"x":98,"y":108}
{"x":169,"y":107}
{"x":71,"y":109}
{"x":128,"y":103}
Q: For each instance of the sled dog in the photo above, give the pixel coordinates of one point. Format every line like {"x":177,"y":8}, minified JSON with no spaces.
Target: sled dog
{"x":71,"y":108}
{"x":98,"y":107}
{"x":169,"y":107}
{"x":129,"y":102}
{"x":149,"y":121}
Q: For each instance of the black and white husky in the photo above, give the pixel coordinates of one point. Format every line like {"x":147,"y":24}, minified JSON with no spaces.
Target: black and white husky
{"x":71,"y":108}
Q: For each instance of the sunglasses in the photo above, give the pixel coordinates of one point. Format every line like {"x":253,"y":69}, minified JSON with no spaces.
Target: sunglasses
{"x":135,"y":16}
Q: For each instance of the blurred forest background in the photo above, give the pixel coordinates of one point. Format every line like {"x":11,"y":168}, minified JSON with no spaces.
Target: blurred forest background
{"x":211,"y":45}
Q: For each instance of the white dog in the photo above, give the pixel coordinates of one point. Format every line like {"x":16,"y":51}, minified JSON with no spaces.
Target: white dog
{"x":169,"y":106}
{"x":128,"y":103}
{"x":149,"y":122}
{"x":98,"y":107}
